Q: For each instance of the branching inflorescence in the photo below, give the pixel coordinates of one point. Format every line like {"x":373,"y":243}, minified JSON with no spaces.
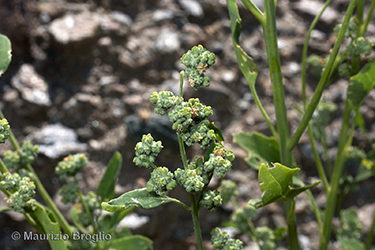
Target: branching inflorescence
{"x":190,"y":121}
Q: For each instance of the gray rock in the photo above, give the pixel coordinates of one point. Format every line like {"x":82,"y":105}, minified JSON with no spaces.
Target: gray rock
{"x":75,"y":28}
{"x":312,"y":8}
{"x":31,"y":86}
{"x":167,"y":42}
{"x":192,"y":7}
{"x":56,"y":140}
{"x":122,"y":18}
{"x":162,"y":14}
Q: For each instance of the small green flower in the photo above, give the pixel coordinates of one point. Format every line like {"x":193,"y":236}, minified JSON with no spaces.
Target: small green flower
{"x":25,"y":155}
{"x":161,"y":181}
{"x":344,"y":69}
{"x":352,"y":26}
{"x":181,"y":116}
{"x":191,"y":120}
{"x":266,"y":238}
{"x":228,"y":189}
{"x":360,"y":46}
{"x":164,"y":100}
{"x":10,"y":181}
{"x":197,"y":60}
{"x":220,"y":241}
{"x":92,"y":201}
{"x":12,"y":159}
{"x":4,"y":130}
{"x":146,"y":151}
{"x":21,"y":200}
{"x":28,"y":153}
{"x":69,"y":192}
{"x":211,"y":200}
{"x":241,"y":216}
{"x":189,"y":179}
{"x":220,"y":161}
{"x":71,"y":165}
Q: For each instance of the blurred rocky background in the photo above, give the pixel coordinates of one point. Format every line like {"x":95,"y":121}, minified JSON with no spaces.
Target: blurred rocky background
{"x":82,"y":73}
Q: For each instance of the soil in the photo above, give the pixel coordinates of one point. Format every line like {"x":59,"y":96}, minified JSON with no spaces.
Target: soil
{"x":80,"y":80}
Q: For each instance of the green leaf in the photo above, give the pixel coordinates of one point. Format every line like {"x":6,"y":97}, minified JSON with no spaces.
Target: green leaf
{"x":361,"y":84}
{"x":106,"y":188}
{"x":260,"y":148}
{"x":109,"y":221}
{"x":44,"y":218}
{"x":350,"y":226}
{"x":218,"y":134}
{"x":134,"y":242}
{"x":139,"y":198}
{"x":350,"y":243}
{"x":5,"y":53}
{"x":245,"y":62}
{"x":274,"y":183}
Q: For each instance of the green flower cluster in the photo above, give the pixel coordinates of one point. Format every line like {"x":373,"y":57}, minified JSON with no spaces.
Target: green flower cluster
{"x":189,"y":118}
{"x":211,"y":200}
{"x":242,"y":215}
{"x":189,"y":179}
{"x":185,"y":115}
{"x":220,"y":161}
{"x":360,"y":46}
{"x":69,"y":192}
{"x":164,"y":100}
{"x":321,"y":118}
{"x":146,"y":151}
{"x":23,"y":190}
{"x":316,"y":64}
{"x":92,"y":203}
{"x":350,"y":31}
{"x":25,"y":155}
{"x":228,"y":189}
{"x":197,"y":60}
{"x":70,"y":166}
{"x":357,"y":46}
{"x":266,"y":238}
{"x":161,"y":181}
{"x":220,"y":241}
{"x":4,"y":130}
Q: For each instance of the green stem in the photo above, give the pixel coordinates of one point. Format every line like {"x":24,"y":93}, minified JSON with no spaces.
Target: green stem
{"x":182,"y":74}
{"x":305,"y":50}
{"x":336,"y":175}
{"x":56,"y":212}
{"x":270,"y":35}
{"x":316,"y":210}
{"x":322,"y":83}
{"x":368,"y":18}
{"x":197,"y":227}
{"x":3,"y":168}
{"x":182,"y":150}
{"x":318,"y":162}
{"x":254,"y":10}
{"x":86,"y":207}
{"x":371,"y":233}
